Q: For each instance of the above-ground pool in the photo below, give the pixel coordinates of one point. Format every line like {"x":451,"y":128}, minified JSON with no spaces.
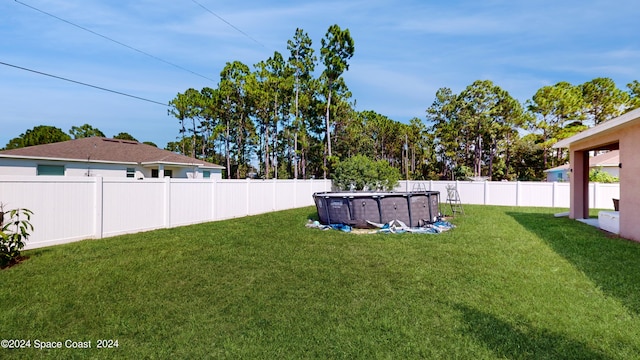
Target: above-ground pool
{"x":355,"y":209}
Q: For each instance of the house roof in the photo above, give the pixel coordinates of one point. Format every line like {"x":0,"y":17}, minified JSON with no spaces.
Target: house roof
{"x":611,"y":158}
{"x":105,"y":150}
{"x":611,"y":125}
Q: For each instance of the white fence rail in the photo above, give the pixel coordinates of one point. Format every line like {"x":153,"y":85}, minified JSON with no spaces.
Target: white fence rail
{"x":542,"y":194}
{"x":68,"y":209}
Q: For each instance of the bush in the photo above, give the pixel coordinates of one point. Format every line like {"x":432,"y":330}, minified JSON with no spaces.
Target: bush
{"x":361,"y":173}
{"x":599,"y":176}
{"x":14,"y":232}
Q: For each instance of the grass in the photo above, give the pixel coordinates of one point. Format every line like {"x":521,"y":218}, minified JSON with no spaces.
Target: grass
{"x":506,"y":283}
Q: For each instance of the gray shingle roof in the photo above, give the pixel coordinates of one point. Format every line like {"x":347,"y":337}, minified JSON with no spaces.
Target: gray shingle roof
{"x":106,"y":150}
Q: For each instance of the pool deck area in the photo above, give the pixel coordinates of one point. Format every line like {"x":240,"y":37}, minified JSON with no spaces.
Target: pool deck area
{"x":606,"y":220}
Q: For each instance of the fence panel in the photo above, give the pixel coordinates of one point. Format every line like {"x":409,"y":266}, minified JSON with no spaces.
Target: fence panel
{"x":63,"y":208}
{"x":261,"y":197}
{"x":522,"y":193}
{"x":502,"y":193}
{"x":287,"y":193}
{"x":68,"y":209}
{"x":535,"y":194}
{"x":230,"y":199}
{"x":190,"y":201}
{"x":132,"y":205}
{"x":601,"y":195}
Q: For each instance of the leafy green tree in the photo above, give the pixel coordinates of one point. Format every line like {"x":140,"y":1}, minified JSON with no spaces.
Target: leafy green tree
{"x":487,"y":116}
{"x":554,"y":106}
{"x":388,"y":176}
{"x":476,"y":105}
{"x":360,"y":172}
{"x":508,"y":116}
{"x":526,"y":161}
{"x":303,"y":61}
{"x":352,"y":136}
{"x":84,"y":131}
{"x":239,"y":129}
{"x":634,"y":95}
{"x":446,"y":128}
{"x":603,"y":177}
{"x":210,"y":120}
{"x":337,"y":48}
{"x":271,"y":95}
{"x":42,"y":134}
{"x":125,"y":136}
{"x":603,"y":100}
{"x":462,"y":172}
{"x":184,"y":107}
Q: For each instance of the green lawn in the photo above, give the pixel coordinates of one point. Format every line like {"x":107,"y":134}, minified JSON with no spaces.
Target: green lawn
{"x":506,"y":283}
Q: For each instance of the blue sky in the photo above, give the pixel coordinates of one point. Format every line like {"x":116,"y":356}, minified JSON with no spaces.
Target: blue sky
{"x":404,"y":52}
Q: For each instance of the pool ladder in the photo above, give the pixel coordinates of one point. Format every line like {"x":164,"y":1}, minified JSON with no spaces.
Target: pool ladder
{"x":453,"y":198}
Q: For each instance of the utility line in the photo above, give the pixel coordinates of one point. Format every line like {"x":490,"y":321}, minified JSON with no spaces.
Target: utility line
{"x":113,"y":40}
{"x":81,"y":83}
{"x":228,"y":23}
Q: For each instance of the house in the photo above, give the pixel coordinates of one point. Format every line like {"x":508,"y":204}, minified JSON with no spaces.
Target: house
{"x":97,"y":156}
{"x":607,"y":162}
{"x":623,"y":134}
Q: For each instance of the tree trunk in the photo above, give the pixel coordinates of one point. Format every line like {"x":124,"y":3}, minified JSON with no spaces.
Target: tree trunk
{"x":327,"y":123}
{"x":266,"y":151}
{"x":226,"y":150}
{"x":295,"y":155}
{"x":494,"y":146}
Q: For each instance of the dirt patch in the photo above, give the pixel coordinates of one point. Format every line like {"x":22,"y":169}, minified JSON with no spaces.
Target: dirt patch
{"x":15,"y":262}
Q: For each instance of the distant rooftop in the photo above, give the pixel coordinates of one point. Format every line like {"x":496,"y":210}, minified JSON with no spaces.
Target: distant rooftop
{"x":99,"y":149}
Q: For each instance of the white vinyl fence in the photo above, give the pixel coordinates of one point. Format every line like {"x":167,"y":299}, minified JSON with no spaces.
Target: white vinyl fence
{"x":520,"y":193}
{"x":68,"y":209}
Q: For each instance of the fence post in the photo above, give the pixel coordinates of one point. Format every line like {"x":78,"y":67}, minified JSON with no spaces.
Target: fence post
{"x":486,"y":192}
{"x":98,"y":217}
{"x":273,"y":195}
{"x":517,"y":193}
{"x":167,"y":202}
{"x":295,"y":192}
{"x":248,"y":193}
{"x":553,"y":194}
{"x":214,"y":185}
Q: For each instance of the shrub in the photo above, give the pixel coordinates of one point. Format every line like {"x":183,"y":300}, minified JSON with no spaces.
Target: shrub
{"x":599,"y":176}
{"x":15,"y":226}
{"x":361,"y":173}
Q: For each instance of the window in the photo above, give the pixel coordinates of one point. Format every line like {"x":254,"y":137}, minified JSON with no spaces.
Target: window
{"x":131,"y":172}
{"x":155,"y":173}
{"x":206,"y":174}
{"x":57,"y":170}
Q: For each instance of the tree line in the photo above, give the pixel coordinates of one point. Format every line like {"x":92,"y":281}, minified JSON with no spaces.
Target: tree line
{"x":278,"y":112}
{"x":293,"y":116}
{"x":283,"y":119}
{"x":484,"y":132}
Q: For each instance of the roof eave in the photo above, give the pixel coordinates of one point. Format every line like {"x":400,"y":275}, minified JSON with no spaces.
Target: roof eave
{"x":179,"y":164}
{"x":45,"y":158}
{"x":603,"y":128}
